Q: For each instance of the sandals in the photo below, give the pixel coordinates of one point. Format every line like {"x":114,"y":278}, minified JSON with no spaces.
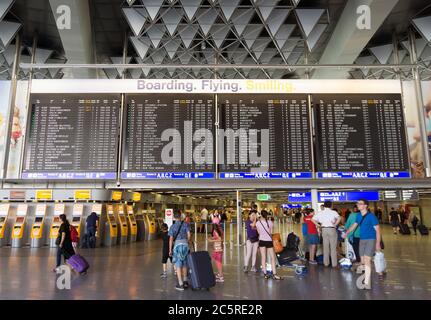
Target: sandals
{"x":274,"y":277}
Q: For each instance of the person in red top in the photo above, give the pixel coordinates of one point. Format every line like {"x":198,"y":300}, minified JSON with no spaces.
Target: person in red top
{"x":312,"y":235}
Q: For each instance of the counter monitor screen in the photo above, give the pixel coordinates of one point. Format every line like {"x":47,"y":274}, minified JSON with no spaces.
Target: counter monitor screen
{"x":2,"y":219}
{"x":76,"y":219}
{"x":19,"y":219}
{"x":169,"y":136}
{"x":72,"y":136}
{"x":360,"y":136}
{"x":111,"y":218}
{"x":38,"y":219}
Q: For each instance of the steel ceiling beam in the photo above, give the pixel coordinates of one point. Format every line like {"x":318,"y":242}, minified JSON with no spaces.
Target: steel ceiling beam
{"x":348,"y":41}
{"x":217,"y":66}
{"x":77,"y":41}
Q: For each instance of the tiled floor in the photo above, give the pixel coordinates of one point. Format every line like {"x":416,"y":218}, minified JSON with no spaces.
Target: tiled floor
{"x":132,"y":272}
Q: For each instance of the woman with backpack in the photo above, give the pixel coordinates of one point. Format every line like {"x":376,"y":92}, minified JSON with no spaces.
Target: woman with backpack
{"x":64,"y":242}
{"x":264,"y":228}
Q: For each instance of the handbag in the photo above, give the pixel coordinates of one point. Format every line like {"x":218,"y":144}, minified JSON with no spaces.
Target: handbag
{"x":276,"y":241}
{"x":254,"y":239}
{"x":58,"y":240}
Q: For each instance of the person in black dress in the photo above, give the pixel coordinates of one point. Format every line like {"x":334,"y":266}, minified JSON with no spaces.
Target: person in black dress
{"x":64,"y":242}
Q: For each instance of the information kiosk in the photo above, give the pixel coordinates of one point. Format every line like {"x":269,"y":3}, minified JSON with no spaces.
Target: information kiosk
{"x":123,"y":229}
{"x":78,"y":209}
{"x":150,"y":224}
{"x":110,"y":238}
{"x":133,"y":228}
{"x":18,"y":228}
{"x":56,"y":223}
{"x":4,"y":214}
{"x":36,"y":235}
{"x":97,"y":207}
{"x":141,"y":224}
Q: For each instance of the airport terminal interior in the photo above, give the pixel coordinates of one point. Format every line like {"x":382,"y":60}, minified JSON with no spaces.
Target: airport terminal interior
{"x":214,"y":112}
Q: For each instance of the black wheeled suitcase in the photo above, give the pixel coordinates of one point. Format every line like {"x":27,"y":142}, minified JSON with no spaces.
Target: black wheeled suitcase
{"x":404,"y":229}
{"x":201,"y":274}
{"x":423,"y":230}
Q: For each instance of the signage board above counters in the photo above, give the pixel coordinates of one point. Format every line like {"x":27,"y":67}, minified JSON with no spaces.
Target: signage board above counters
{"x":334,"y":196}
{"x":400,"y":195}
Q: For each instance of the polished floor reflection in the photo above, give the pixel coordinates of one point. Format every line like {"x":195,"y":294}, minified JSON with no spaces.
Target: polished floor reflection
{"x":132,"y":272}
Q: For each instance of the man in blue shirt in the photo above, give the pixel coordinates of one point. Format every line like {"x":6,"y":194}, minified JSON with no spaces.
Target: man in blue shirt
{"x":370,"y":238}
{"x":179,"y":237}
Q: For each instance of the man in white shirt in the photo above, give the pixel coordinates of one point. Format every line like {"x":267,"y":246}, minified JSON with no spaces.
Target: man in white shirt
{"x":204,"y":219}
{"x":328,"y":220}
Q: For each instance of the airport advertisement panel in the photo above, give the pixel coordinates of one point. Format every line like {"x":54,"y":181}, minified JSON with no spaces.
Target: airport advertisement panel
{"x":4,"y":116}
{"x":426,"y":92}
{"x":413,"y":130}
{"x":18,"y":130}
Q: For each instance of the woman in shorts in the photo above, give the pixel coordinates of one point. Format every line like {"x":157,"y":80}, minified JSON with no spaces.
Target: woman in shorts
{"x":264,"y":228}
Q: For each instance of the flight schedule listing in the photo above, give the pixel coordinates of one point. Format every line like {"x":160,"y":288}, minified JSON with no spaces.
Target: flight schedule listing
{"x":72,"y":136}
{"x":169,"y":136}
{"x":360,"y":136}
{"x":265,"y":136}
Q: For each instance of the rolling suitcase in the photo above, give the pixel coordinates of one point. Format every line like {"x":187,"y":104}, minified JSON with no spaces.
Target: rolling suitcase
{"x":423,"y":230}
{"x":78,"y":263}
{"x":404,"y":229}
{"x":201,"y":274}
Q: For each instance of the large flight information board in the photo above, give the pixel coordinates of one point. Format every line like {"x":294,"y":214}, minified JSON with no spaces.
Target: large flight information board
{"x":265,"y":136}
{"x":169,"y":136}
{"x":360,"y":136}
{"x":72,"y":136}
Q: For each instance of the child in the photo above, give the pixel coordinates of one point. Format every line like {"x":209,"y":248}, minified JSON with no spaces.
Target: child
{"x":217,"y":255}
{"x":165,"y":250}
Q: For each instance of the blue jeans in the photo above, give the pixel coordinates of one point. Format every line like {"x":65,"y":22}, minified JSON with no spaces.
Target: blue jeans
{"x":91,"y":237}
{"x":59,"y":254}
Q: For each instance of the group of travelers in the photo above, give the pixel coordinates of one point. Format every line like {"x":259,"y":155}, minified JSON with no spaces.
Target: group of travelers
{"x":400,"y":218}
{"x":177,"y":246}
{"x":361,"y":229}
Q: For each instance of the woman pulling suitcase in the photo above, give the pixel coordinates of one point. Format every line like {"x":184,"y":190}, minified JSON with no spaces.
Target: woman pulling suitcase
{"x":64,"y":242}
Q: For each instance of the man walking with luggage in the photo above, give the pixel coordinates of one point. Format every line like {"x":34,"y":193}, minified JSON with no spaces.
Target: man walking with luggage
{"x":179,"y":237}
{"x":329,"y":220}
{"x":370,"y":238}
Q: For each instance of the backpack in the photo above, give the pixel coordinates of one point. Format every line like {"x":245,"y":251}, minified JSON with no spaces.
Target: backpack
{"x":292,"y":241}
{"x":73,"y":234}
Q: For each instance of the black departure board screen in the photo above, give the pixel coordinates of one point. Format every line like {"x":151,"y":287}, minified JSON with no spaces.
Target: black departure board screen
{"x":271,"y":136}
{"x":72,"y":136}
{"x":169,"y":136}
{"x":360,"y":136}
